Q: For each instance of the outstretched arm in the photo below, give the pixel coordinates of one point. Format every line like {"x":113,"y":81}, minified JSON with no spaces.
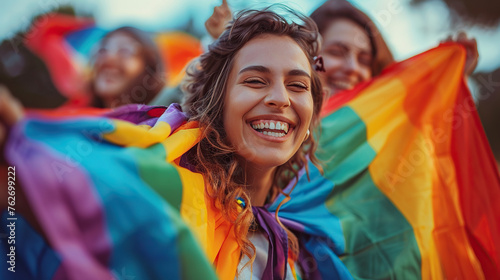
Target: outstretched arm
{"x":11,"y":111}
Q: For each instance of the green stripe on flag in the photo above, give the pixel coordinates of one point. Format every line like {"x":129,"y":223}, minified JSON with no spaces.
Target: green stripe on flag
{"x":380,"y":243}
{"x":160,"y":175}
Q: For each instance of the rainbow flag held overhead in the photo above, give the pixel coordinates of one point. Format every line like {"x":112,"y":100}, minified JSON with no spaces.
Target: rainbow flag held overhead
{"x":409,"y":175}
{"x":408,"y":189}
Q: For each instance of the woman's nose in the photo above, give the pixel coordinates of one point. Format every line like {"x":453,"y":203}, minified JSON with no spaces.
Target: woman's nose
{"x":351,"y":64}
{"x":278,"y":97}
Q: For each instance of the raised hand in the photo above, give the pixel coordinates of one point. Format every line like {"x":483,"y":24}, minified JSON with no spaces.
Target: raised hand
{"x":472,"y":54}
{"x":216,"y":23}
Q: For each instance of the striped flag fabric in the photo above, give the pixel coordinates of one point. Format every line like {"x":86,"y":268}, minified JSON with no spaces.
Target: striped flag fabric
{"x":408,"y":189}
{"x":409,"y":177}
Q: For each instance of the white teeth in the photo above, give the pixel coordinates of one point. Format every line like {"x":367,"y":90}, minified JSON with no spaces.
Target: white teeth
{"x":283,"y":126}
{"x":273,"y":134}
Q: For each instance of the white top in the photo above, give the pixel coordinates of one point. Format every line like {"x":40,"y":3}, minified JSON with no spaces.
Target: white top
{"x":261,"y":243}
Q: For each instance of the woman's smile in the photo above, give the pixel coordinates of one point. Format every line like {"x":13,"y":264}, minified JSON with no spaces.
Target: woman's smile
{"x":272,"y":130}
{"x":268,"y":104}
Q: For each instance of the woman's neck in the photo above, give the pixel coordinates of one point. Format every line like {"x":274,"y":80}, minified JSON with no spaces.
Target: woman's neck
{"x":259,"y":182}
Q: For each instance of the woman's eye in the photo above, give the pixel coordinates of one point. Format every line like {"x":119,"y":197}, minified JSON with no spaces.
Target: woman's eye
{"x":102,"y":50}
{"x":365,"y":60}
{"x":124,"y":52}
{"x":254,"y":82}
{"x":299,"y":86}
{"x":335,"y":52}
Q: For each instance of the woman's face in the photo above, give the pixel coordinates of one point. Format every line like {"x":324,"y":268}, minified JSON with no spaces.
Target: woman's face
{"x":347,"y":55}
{"x":118,"y":63}
{"x":268,"y":103}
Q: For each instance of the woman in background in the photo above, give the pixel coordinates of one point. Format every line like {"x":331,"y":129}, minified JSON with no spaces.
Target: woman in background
{"x":126,"y":68}
{"x":354,"y":50}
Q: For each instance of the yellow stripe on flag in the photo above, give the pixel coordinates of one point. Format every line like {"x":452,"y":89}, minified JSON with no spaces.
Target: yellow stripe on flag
{"x":130,"y":135}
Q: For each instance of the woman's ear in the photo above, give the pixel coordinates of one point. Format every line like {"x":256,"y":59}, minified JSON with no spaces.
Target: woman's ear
{"x":308,"y":133}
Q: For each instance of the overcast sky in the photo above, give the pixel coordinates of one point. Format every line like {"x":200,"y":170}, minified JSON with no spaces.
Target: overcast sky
{"x":408,"y":30}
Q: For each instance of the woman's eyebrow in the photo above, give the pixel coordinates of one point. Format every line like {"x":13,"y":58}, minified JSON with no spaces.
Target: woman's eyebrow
{"x":298,"y":72}
{"x":257,"y":68}
{"x":340,"y":44}
{"x":346,"y":47}
{"x":263,"y":69}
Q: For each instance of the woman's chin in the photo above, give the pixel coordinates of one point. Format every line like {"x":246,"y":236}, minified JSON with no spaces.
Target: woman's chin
{"x":108,"y":92}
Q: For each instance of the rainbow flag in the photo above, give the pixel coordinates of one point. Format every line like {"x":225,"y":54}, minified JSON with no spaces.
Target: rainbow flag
{"x":409,"y":175}
{"x":114,"y":197}
{"x":88,"y":179}
{"x":407,"y":193}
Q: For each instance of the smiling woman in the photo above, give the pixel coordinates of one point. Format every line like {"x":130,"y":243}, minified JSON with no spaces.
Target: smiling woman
{"x":257,"y":98}
{"x":353,"y":48}
{"x":268,"y":107}
{"x":126,"y":68}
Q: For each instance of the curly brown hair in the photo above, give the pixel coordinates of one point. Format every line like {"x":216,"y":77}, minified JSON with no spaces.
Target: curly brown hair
{"x":205,"y":88}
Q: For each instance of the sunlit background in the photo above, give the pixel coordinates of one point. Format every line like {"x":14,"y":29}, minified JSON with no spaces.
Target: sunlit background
{"x":409,"y":27}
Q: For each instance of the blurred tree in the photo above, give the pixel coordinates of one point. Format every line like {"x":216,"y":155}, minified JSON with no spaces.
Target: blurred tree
{"x":481,"y":12}
{"x":489,"y":107}
{"x":64,"y":9}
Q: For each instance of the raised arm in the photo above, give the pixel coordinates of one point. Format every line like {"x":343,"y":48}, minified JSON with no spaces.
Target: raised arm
{"x":216,"y":23}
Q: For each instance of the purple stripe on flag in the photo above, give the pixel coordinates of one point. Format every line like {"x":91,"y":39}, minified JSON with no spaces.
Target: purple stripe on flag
{"x":174,"y":115}
{"x":278,"y":244}
{"x":138,"y":114}
{"x":57,"y":200}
